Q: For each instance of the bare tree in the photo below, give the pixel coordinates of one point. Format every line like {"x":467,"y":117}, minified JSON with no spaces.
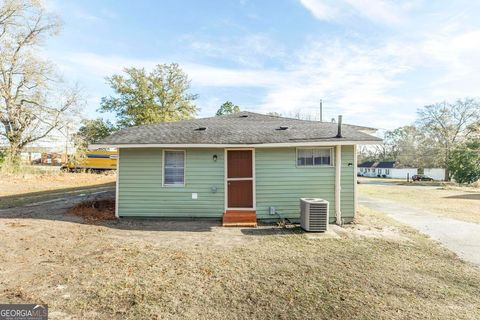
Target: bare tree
{"x":31,"y":103}
{"x":447,"y":124}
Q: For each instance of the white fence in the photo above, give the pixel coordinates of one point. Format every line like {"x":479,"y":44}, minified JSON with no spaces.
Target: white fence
{"x":435,"y":173}
{"x":402,"y":173}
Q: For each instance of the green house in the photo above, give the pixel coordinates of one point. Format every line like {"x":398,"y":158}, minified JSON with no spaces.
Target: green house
{"x":238,"y":167}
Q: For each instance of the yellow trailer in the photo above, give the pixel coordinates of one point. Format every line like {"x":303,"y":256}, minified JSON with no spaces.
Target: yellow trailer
{"x":96,"y":160}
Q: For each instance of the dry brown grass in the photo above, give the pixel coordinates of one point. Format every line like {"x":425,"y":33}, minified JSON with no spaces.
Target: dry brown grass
{"x":17,"y":184}
{"x":453,"y":202}
{"x":19,"y":189}
{"x":131,"y":269}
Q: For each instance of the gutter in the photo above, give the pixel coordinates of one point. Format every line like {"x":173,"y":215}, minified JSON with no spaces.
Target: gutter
{"x":214,"y":145}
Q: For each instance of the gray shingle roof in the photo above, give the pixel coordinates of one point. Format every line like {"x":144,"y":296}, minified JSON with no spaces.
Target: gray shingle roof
{"x":389,"y":164}
{"x":238,"y":128}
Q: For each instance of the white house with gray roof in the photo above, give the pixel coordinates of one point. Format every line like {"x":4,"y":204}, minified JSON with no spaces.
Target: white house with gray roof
{"x":385,"y":169}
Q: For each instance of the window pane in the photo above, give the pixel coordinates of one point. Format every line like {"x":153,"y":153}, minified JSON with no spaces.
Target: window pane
{"x":314,"y":157}
{"x":174,"y":167}
{"x":326,"y":157}
{"x":303,"y":155}
{"x":174,"y":158}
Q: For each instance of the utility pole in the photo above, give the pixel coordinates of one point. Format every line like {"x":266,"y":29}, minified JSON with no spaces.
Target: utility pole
{"x":321,"y":110}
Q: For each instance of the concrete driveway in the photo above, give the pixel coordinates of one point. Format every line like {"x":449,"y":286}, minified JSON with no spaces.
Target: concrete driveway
{"x":459,"y":236}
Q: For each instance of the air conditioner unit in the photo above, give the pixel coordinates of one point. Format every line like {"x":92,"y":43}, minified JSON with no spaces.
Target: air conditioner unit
{"x":314,"y":214}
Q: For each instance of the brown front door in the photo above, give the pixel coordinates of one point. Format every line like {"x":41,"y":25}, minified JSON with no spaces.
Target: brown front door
{"x":239,"y":179}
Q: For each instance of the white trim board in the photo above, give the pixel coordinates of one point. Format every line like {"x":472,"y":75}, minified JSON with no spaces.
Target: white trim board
{"x":355,"y":181}
{"x":338,"y":185}
{"x":117,"y":185}
{"x":213,"y":145}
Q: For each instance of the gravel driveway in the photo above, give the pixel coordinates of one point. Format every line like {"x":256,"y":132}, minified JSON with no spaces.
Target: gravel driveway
{"x":459,"y":236}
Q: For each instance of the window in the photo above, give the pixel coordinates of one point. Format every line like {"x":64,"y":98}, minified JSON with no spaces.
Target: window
{"x":314,"y":157}
{"x":174,"y":168}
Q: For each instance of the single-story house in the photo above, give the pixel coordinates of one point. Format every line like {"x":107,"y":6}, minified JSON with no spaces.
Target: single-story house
{"x":242,"y":166}
{"x":386,"y":169}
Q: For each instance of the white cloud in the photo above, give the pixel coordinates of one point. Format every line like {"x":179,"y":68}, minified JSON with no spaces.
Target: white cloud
{"x":320,"y":9}
{"x":378,"y":84}
{"x":251,"y":50}
{"x":375,"y":10}
{"x":202,"y":75}
{"x":350,"y":79}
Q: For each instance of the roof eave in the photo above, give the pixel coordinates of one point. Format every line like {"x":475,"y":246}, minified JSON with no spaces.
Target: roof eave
{"x":215,"y":145}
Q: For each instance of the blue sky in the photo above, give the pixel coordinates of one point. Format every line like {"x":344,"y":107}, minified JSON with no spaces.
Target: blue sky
{"x":375,"y":62}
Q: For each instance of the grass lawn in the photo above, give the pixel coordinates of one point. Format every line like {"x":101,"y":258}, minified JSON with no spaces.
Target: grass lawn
{"x":462,"y":204}
{"x":20,"y":189}
{"x":148,"y":269}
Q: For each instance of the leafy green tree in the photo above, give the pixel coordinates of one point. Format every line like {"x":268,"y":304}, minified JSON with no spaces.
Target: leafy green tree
{"x":150,"y":97}
{"x":91,"y":131}
{"x":227,"y":108}
{"x":464,"y":162}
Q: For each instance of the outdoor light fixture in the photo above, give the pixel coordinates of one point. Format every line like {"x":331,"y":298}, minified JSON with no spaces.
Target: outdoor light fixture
{"x":215,"y":157}
{"x":350,"y":164}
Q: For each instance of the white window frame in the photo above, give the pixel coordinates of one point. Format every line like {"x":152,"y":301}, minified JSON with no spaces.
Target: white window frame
{"x":184,"y":168}
{"x":332,"y":157}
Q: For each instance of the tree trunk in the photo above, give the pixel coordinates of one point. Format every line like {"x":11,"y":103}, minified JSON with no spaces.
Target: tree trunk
{"x":447,"y":160}
{"x":13,"y":159}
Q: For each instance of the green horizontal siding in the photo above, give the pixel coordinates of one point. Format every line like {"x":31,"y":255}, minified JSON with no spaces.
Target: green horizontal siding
{"x":279,"y":183}
{"x":347,"y":195}
{"x":140,"y":185}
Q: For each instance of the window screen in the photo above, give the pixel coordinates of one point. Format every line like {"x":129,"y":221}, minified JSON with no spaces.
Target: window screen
{"x":314,"y":157}
{"x":174,"y":168}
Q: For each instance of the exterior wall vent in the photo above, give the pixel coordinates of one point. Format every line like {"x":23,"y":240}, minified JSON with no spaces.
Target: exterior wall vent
{"x":314,"y":214}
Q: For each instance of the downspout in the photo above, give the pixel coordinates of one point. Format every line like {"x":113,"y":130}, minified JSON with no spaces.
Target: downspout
{"x":338,"y":176}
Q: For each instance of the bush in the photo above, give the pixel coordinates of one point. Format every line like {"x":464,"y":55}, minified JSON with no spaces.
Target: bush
{"x":464,"y":163}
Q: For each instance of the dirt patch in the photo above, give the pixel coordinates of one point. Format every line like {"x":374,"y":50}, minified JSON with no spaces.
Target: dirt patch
{"x":95,"y":210}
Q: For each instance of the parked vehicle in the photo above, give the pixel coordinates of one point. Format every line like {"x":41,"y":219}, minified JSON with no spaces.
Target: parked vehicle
{"x":421,"y":177}
{"x":94,"y":161}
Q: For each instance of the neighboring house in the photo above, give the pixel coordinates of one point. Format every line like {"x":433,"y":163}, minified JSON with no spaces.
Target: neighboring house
{"x":386,"y":169}
{"x":240,"y":167}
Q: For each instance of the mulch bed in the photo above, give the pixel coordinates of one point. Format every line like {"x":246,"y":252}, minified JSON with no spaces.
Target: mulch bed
{"x":95,"y":210}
